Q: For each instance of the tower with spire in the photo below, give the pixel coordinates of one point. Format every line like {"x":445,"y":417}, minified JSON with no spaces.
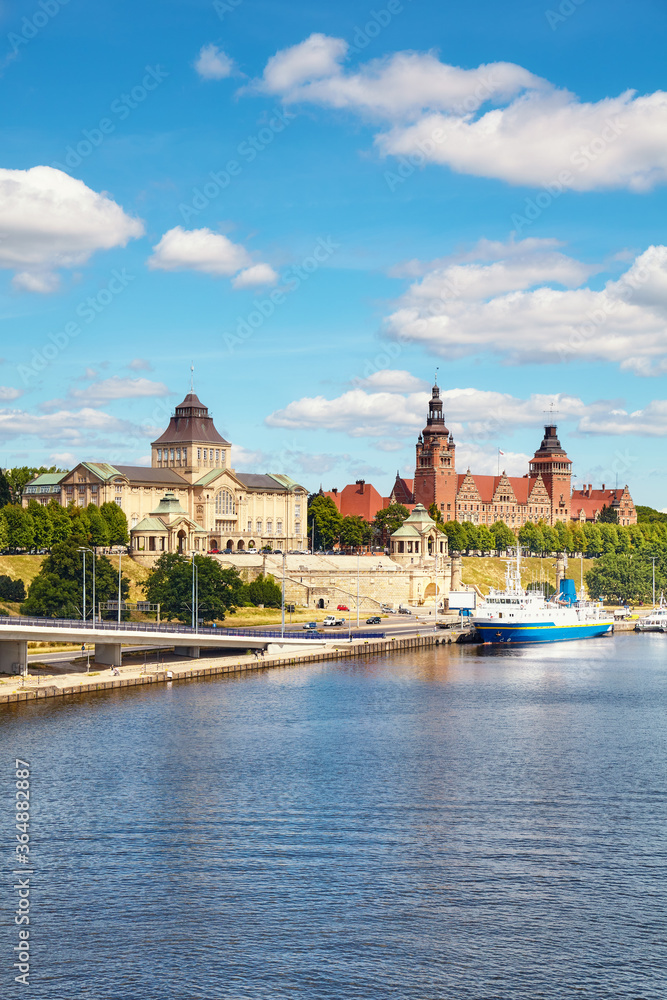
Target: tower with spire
{"x":435,"y":469}
{"x":550,"y":461}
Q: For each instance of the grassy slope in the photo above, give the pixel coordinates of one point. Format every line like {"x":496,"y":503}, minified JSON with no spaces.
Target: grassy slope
{"x":487,"y":571}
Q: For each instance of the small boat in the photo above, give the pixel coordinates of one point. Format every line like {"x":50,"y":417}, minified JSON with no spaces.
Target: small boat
{"x":514,"y":615}
{"x":654,"y":621}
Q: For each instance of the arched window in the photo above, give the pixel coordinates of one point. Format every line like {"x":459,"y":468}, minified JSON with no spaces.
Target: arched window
{"x":224,"y":502}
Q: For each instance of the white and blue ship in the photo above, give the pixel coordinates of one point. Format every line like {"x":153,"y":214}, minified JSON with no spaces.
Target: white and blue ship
{"x":515,"y":615}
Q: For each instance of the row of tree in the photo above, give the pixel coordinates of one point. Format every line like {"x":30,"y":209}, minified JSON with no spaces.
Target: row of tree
{"x":57,"y":590}
{"x":40,"y":526}
{"x":593,"y":539}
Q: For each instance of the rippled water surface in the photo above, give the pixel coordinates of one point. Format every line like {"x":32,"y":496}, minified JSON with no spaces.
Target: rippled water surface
{"x":466,"y":822}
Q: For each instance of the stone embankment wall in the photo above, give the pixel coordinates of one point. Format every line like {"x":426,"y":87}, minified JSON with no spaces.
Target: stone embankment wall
{"x":228,"y":665}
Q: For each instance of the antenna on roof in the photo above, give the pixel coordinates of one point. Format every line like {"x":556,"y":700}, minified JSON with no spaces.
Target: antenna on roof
{"x":552,"y":411}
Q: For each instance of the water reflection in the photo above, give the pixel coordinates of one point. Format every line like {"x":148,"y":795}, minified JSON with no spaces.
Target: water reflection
{"x":459,"y":822}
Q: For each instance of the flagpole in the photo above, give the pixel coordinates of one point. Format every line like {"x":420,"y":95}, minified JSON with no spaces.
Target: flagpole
{"x":499,"y":461}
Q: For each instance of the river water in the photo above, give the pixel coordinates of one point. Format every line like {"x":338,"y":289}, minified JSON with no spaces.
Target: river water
{"x":459,"y":822}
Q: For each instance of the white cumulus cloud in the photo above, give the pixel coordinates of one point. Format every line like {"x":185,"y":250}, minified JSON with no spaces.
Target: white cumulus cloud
{"x":537,"y":307}
{"x":213,"y":64}
{"x":52,"y":221}
{"x":211,"y":253}
{"x":474,"y":416}
{"x":258,"y":274}
{"x":495,"y":120}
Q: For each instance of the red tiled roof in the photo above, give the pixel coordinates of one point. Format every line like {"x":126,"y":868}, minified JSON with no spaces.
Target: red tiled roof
{"x":592,"y":501}
{"x":351,"y":500}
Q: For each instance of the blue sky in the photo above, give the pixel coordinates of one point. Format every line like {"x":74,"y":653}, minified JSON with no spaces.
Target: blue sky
{"x":317,"y":205}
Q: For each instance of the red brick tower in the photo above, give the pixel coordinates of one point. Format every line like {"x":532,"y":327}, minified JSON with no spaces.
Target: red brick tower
{"x":435,"y":470}
{"x":551,"y":462}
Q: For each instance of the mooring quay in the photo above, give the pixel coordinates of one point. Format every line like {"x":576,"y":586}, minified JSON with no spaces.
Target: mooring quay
{"x":109,"y":638}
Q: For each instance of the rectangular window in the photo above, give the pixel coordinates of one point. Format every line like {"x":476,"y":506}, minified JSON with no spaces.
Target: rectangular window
{"x":171,"y":454}
{"x":249,"y":525}
{"x":297,"y":510}
{"x":297,"y":528}
{"x":279,"y":528}
{"x":159,"y":454}
{"x":178,"y":454}
{"x":185,"y":456}
{"x":449,"y":507}
{"x":269,"y":527}
{"x":199,"y":454}
{"x":217,"y":455}
{"x":259,"y":527}
{"x":119,"y":501}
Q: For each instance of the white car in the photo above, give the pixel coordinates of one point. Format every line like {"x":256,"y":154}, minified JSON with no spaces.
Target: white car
{"x":332,"y":620}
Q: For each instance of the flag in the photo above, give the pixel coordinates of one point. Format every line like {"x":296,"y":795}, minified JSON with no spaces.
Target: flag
{"x":500,"y":452}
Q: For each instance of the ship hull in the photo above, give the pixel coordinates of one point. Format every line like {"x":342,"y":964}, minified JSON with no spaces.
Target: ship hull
{"x":497,"y":632}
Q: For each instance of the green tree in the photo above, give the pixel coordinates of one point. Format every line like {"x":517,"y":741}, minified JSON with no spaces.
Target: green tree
{"x":117,"y":523}
{"x":435,"y":512}
{"x":485,"y":539}
{"x":608,"y":515}
{"x":549,"y":538}
{"x":323,"y":512}
{"x":355,"y":531}
{"x":388,"y":520}
{"x":504,"y":536}
{"x":169,"y":584}
{"x":531,"y":537}
{"x":43,"y":533}
{"x":11,"y":590}
{"x":99,"y":527}
{"x":578,"y":537}
{"x":564,"y":536}
{"x":593,"y":539}
{"x":80,"y":523}
{"x":57,"y":590}
{"x":61,"y":522}
{"x":620,"y":578}
{"x":609,"y":534}
{"x":264,"y":590}
{"x":650,"y":515}
{"x":457,"y":539}
{"x":20,"y":527}
{"x":472,"y":536}
{"x":5,"y":492}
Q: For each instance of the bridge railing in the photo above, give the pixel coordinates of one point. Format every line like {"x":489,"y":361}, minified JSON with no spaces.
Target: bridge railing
{"x":149,"y":627}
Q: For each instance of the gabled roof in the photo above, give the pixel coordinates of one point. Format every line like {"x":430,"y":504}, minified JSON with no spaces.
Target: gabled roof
{"x":487,"y":486}
{"x":403,"y":490}
{"x":102,"y":470}
{"x":592,"y":501}
{"x":209,"y":477}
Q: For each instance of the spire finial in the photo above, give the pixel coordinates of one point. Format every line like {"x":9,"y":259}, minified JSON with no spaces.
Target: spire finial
{"x":436,"y":376}
{"x":192,"y":377}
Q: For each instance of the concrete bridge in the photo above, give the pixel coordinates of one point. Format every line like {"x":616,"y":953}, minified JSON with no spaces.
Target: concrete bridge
{"x":109,"y":637}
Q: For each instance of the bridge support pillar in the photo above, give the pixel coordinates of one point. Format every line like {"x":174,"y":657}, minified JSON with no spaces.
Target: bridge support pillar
{"x":109,"y":653}
{"x":13,"y":656}
{"x":193,"y":651}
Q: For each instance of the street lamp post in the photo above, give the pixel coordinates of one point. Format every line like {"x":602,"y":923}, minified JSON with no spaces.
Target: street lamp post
{"x":120,"y":556}
{"x":436,"y":584}
{"x":358,"y":588}
{"x":83,"y":549}
{"x":282,"y":603}
{"x":193,"y":591}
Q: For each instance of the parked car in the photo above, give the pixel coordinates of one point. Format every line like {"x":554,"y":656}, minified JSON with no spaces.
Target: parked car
{"x":373,"y":621}
{"x":310,"y":625}
{"x":277,"y":552}
{"x":332,"y":620}
{"x":404,"y":611}
{"x":342,"y":607}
